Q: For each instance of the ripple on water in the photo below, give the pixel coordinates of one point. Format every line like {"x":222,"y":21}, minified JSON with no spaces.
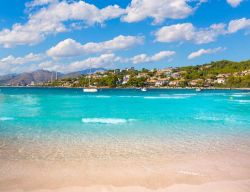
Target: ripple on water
{"x":106,"y":120}
{"x":6,"y":118}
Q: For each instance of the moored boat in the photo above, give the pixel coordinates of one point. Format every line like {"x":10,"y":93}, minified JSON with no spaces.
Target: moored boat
{"x":90,"y":90}
{"x":198,"y":90}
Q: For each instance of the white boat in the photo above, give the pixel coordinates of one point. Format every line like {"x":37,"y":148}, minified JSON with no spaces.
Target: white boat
{"x":198,"y":90}
{"x":90,"y":90}
{"x":144,"y":89}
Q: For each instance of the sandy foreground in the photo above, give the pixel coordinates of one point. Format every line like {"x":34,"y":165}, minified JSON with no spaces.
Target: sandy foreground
{"x":227,"y":186}
{"x":229,"y":172}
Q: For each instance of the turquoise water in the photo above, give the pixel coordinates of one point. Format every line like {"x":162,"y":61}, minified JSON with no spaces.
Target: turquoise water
{"x":171,"y":117}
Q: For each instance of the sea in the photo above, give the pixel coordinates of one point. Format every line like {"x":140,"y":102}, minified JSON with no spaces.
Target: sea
{"x":172,"y":117}
{"x":123,"y":137}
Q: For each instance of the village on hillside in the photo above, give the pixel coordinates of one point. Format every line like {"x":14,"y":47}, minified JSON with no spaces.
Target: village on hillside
{"x":217,"y":74}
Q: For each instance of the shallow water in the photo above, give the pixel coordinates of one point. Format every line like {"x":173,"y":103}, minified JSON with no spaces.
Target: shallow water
{"x":158,"y":127}
{"x":154,"y":121}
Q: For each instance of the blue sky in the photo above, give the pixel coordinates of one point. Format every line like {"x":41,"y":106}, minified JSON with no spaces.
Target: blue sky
{"x":71,"y":35}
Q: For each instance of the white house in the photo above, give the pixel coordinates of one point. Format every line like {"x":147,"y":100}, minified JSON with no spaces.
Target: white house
{"x":220,"y":81}
{"x":125,"y":79}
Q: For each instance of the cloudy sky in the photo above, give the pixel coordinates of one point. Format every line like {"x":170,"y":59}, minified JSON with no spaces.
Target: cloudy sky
{"x":72,"y":35}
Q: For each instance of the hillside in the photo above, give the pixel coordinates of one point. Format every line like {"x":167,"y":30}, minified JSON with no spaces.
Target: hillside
{"x":24,"y":79}
{"x":223,"y":73}
{"x":227,"y":74}
{"x":40,"y":76}
{"x":235,"y":74}
{"x":83,"y":72}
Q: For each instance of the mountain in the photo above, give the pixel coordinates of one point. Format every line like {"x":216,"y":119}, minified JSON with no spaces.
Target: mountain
{"x":40,"y":76}
{"x":83,"y":72}
{"x":23,"y":79}
{"x":6,"y":77}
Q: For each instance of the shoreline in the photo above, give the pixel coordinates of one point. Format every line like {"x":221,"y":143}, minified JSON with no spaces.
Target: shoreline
{"x":133,"y":88}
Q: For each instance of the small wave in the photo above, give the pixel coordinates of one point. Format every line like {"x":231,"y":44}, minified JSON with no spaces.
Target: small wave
{"x":103,"y":96}
{"x":219,"y":118}
{"x":214,"y":94}
{"x":187,"y":94}
{"x":6,"y":118}
{"x":242,"y":101}
{"x":26,"y":99}
{"x":206,"y":118}
{"x":129,"y":96}
{"x":105,"y":120}
{"x":248,"y":93}
{"x":238,"y":95}
{"x":166,"y":97}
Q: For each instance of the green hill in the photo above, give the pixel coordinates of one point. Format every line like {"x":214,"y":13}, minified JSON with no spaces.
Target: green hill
{"x":221,"y":74}
{"x":236,"y":74}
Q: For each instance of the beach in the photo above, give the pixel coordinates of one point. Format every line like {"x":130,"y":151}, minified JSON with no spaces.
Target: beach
{"x":195,"y":173}
{"x":64,"y":140}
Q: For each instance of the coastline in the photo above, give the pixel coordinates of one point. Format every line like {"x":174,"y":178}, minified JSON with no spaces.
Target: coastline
{"x":172,"y":144}
{"x":135,"y":88}
{"x":125,"y":96}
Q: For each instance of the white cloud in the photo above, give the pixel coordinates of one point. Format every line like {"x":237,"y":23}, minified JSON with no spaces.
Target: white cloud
{"x":238,"y":24}
{"x":187,"y":32}
{"x":21,"y":60}
{"x":159,"y":10}
{"x":36,"y":3}
{"x":51,"y":20}
{"x":33,"y":62}
{"x":49,"y":17}
{"x":143,"y":58}
{"x":234,"y":3}
{"x":66,"y":48}
{"x":162,"y":55}
{"x":204,"y":52}
{"x":104,"y":60}
{"x":52,"y":66}
{"x":108,"y":60}
{"x":70,"y":47}
{"x":11,"y":64}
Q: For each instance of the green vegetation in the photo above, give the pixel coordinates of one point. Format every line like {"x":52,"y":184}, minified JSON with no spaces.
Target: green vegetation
{"x":235,"y":82}
{"x":227,"y":74}
{"x":137,"y":82}
{"x":215,"y":68}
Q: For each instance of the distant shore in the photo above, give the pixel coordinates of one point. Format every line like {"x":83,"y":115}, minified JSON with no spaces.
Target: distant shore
{"x":184,"y":88}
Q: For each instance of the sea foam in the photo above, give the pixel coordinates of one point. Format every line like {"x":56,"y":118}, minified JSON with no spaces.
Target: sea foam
{"x":103,"y":96}
{"x":243,"y":101}
{"x":240,"y":101}
{"x":238,"y":95}
{"x":209,"y":118}
{"x":166,"y":97}
{"x":105,"y":120}
{"x":185,"y":94}
{"x":128,"y":96}
{"x":6,"y":118}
